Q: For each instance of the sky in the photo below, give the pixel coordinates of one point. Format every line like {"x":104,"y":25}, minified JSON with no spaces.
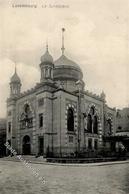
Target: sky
{"x":96,"y":37}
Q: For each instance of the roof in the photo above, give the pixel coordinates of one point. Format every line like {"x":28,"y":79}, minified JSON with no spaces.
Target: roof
{"x":15,"y":78}
{"x":64,"y":61}
{"x":46,"y":57}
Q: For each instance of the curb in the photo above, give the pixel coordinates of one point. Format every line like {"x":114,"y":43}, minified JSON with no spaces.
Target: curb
{"x":73,"y":165}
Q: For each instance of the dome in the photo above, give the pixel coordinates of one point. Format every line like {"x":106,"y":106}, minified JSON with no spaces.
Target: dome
{"x":46,"y":58}
{"x":67,"y":69}
{"x":15,"y":78}
{"x":64,"y":61}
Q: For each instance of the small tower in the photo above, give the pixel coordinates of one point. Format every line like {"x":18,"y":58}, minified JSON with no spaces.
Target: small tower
{"x":15,"y":84}
{"x":103,"y":96}
{"x":46,"y":66}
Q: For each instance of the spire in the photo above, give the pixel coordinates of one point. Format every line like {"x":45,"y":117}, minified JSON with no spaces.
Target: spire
{"x":47,"y":45}
{"x":15,"y":67}
{"x":63,"y":48}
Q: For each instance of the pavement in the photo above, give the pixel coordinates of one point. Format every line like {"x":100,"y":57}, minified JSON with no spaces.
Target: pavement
{"x":41,"y":160}
{"x":17,"y":178}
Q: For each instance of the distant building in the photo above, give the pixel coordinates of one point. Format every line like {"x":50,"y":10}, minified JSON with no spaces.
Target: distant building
{"x":2,"y":137}
{"x":57,"y":115}
{"x":122,"y":120}
{"x":122,"y":128}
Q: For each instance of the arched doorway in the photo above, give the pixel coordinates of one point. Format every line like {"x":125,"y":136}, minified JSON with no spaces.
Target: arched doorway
{"x":26,"y":146}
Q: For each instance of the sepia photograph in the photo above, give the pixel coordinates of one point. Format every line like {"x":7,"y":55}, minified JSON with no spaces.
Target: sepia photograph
{"x":64,"y":97}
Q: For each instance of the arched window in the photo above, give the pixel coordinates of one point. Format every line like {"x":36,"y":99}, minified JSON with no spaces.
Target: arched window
{"x":46,"y":72}
{"x":26,"y":119}
{"x":85,"y":122}
{"x":89,"y":123}
{"x":27,"y":108}
{"x":70,"y":120}
{"x":109,"y":126}
{"x":95,"y":125}
{"x":92,"y":110}
{"x":50,"y":72}
{"x":41,"y":120}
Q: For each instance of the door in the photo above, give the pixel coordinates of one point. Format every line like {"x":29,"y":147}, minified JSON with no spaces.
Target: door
{"x":41,"y":145}
{"x":26,"y":146}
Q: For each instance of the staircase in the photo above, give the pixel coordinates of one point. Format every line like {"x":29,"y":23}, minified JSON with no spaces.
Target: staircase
{"x":27,"y":158}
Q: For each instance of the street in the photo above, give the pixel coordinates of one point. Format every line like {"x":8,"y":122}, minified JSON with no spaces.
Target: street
{"x":16,"y":178}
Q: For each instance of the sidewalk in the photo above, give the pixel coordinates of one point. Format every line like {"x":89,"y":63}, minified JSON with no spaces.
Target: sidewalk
{"x":41,"y":160}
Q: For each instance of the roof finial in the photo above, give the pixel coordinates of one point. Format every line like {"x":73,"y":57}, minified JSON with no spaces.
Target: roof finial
{"x":63,"y":48}
{"x":47,"y":45}
{"x":15,"y":67}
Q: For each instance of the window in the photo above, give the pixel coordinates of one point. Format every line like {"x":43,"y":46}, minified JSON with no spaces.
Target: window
{"x":85,"y":122}
{"x":51,"y":73}
{"x":70,"y":120}
{"x":26,"y":120}
{"x":9,"y":127}
{"x":70,"y":139}
{"x":9,"y":113}
{"x":89,"y":123}
{"x":41,"y":102}
{"x":95,"y":125}
{"x":92,"y":121}
{"x":109,"y":126}
{"x":41,"y":120}
{"x":27,"y":109}
{"x":22,"y":124}
{"x":46,"y":72}
{"x":118,"y":114}
{"x":92,"y":110}
{"x":96,"y":144}
{"x":30,"y":122}
{"x":119,"y":127}
{"x":90,"y":144}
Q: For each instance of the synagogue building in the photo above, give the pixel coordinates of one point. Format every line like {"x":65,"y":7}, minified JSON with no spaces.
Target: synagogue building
{"x":58,"y":114}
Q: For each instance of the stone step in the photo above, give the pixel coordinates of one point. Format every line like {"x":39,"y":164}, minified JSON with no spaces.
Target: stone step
{"x":30,"y":159}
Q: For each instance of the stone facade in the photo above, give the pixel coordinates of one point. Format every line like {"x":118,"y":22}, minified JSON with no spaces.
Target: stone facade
{"x":2,"y":137}
{"x":58,"y":115}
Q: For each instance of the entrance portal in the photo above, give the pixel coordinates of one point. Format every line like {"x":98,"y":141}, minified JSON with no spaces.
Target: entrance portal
{"x":26,"y":147}
{"x":41,"y":145}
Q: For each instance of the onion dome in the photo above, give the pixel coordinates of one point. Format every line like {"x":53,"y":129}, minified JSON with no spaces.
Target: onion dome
{"x":67,"y":69}
{"x":46,"y":66}
{"x":15,"y":78}
{"x":15,"y":84}
{"x":46,"y":58}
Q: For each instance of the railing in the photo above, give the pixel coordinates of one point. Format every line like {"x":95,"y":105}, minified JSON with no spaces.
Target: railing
{"x":72,"y":152}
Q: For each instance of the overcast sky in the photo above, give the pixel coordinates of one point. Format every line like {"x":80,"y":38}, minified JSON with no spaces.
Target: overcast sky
{"x":96,"y":37}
